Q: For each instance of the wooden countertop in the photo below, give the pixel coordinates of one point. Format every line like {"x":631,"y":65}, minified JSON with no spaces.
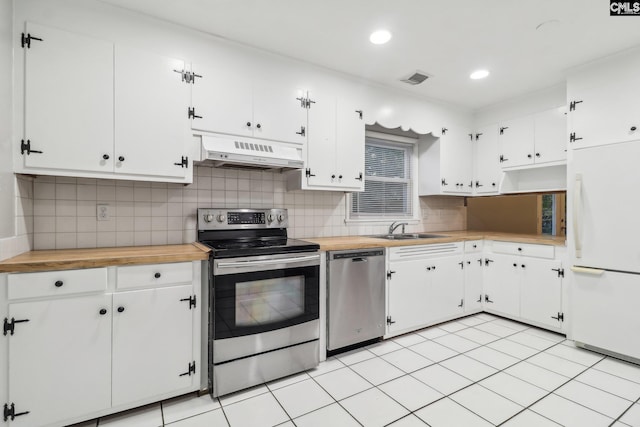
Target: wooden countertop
{"x":360,"y":242}
{"x":66,"y":259}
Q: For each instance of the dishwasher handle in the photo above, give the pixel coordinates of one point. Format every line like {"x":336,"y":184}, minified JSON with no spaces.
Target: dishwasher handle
{"x":359,"y":259}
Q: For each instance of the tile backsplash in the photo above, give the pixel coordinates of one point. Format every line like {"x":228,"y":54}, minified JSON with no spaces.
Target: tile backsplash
{"x":143,"y":213}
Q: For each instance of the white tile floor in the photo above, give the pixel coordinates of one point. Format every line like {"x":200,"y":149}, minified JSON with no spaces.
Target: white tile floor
{"x":478,"y":371}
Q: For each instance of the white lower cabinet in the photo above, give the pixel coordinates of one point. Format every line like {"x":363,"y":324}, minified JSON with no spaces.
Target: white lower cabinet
{"x":473,"y":292}
{"x":502,"y":285}
{"x":76,"y":353}
{"x":541,"y":292}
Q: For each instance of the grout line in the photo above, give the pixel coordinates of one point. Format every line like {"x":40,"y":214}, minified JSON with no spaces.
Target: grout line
{"x":624,"y":412}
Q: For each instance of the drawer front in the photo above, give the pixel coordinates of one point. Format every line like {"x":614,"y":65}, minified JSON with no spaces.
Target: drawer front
{"x":140,"y":276}
{"x":473,"y":246}
{"x":53,"y":283}
{"x":526,"y":249}
{"x":424,"y":251}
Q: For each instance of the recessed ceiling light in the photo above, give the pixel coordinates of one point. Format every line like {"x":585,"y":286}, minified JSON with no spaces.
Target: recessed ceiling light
{"x":479,"y":74}
{"x":380,"y":37}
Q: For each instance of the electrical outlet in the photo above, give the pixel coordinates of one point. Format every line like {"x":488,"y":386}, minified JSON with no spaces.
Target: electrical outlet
{"x":102,"y":212}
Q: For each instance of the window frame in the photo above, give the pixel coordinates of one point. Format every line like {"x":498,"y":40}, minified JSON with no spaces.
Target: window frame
{"x":412,"y":144}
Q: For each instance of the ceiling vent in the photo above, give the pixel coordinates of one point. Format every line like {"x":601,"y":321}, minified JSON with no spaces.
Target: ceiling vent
{"x":416,"y":78}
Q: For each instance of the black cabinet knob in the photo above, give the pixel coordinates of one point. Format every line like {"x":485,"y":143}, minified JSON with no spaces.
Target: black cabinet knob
{"x":333,"y":176}
{"x":259,"y":126}
{"x":633,"y":128}
{"x":339,"y":176}
{"x":523,"y":266}
{"x":103,"y":311}
{"x":537,"y":154}
{"x":59,"y":283}
{"x":515,"y":265}
{"x":105,"y":156}
{"x":529,"y":155}
{"x":157,"y":275}
{"x":249,"y":124}
{"x":493,"y":184}
{"x":520,"y":249}
{"x":120,"y":309}
{"x":121,"y":158}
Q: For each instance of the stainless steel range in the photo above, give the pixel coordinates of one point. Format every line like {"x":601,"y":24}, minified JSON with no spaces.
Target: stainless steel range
{"x":264,"y":298}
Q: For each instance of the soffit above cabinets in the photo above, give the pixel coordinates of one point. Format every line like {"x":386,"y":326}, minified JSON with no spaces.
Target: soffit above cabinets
{"x":448,"y":40}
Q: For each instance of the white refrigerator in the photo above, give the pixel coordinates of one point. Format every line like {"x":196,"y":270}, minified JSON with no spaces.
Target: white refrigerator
{"x":604,"y":244}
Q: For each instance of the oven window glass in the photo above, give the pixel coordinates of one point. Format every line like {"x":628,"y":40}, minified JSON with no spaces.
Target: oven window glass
{"x":261,"y":302}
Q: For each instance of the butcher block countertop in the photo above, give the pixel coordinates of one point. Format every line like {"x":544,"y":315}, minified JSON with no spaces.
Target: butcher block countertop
{"x":66,"y":259}
{"x":360,"y":242}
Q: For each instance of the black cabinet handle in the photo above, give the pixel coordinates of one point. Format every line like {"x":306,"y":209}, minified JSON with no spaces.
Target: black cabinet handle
{"x":105,"y":156}
{"x":529,"y":156}
{"x":333,"y":177}
{"x":339,"y":176}
{"x":493,"y":184}
{"x":249,"y":124}
{"x":537,"y":154}
{"x":524,"y":266}
{"x":120,"y":309}
{"x":519,"y":249}
{"x":157,"y":275}
{"x":515,"y":265}
{"x":633,"y":128}
{"x":259,"y":126}
{"x":59,"y":283}
{"x":103,"y":311}
{"x":121,"y":158}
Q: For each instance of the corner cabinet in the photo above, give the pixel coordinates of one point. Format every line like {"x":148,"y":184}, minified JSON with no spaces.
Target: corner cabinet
{"x":445,"y":163}
{"x":335,"y":146}
{"x":92,"y":111}
{"x":86,"y":343}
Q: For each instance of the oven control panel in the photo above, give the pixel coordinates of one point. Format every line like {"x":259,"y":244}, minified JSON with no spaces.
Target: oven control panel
{"x":229,"y":219}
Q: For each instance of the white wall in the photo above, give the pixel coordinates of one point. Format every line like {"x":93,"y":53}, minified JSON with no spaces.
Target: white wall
{"x":530,"y":103}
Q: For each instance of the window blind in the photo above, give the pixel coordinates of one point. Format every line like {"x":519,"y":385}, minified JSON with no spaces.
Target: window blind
{"x":387,"y":188}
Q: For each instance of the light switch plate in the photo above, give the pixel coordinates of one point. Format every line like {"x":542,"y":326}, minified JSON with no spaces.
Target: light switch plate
{"x":102,"y":212}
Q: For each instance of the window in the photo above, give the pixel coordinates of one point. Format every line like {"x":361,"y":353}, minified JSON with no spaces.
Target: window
{"x":388,"y":190}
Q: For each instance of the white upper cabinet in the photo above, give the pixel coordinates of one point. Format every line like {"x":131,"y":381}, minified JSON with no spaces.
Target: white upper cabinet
{"x":335,"y":147}
{"x":604,"y":101}
{"x":445,"y":163}
{"x":151,"y":114}
{"x":487,"y":160}
{"x":231,"y":100}
{"x":534,"y":139}
{"x":68,"y":102}
{"x":78,"y":90}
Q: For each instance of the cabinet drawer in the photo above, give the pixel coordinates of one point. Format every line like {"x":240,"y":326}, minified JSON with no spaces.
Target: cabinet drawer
{"x":52,"y":283}
{"x":511,"y":248}
{"x":473,"y":246}
{"x":424,"y":251}
{"x":139,"y":276}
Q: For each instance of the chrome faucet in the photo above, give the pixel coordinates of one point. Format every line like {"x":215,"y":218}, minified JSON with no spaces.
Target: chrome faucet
{"x":395,"y":225}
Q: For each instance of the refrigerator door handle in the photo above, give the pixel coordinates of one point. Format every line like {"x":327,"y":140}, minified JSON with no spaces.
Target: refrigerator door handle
{"x":577,"y":215}
{"x":586,"y":270}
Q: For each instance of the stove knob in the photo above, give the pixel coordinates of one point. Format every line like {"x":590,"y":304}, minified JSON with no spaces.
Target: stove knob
{"x":221,"y":218}
{"x":208,"y":217}
{"x":280,"y":217}
{"x":271,"y":218}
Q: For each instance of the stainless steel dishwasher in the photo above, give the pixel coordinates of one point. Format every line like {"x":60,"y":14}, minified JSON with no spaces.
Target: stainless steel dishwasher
{"x":356,"y":297}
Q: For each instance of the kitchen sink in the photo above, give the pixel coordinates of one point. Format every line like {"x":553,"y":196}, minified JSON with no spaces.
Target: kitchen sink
{"x":407,"y":236}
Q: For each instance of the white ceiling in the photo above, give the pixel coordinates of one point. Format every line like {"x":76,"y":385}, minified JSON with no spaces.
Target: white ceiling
{"x":447,"y":39}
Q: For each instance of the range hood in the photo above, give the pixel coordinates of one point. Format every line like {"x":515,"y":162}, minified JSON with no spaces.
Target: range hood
{"x":250,"y":153}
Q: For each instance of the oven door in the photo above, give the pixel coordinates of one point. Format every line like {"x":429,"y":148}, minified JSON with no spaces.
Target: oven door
{"x":259,"y":294}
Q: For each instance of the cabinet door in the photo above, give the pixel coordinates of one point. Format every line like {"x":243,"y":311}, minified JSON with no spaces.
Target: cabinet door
{"x":487,"y":160}
{"x":278,"y":111}
{"x":516,"y":139}
{"x":446,"y":288}
{"x":68,"y":101}
{"x":350,"y":141}
{"x":152,"y":343}
{"x":551,"y":135}
{"x":501,"y":279}
{"x":473,"y":283}
{"x":407,"y":295}
{"x":152,"y":124}
{"x":541,"y":293}
{"x":321,"y":145}
{"x":456,"y":151}
{"x":60,"y":360}
{"x":222,"y":98}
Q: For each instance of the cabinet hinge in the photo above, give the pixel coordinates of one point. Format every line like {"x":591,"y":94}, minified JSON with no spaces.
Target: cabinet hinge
{"x":560,"y":271}
{"x":188,"y":76}
{"x":487,"y":299}
{"x":184,"y":162}
{"x":478,"y":136}
{"x":191,"y":300}
{"x":487,"y":261}
{"x":559,"y":318}
{"x":191,"y":371}
{"x":444,"y":181}
{"x":461,"y":303}
{"x":502,"y":158}
{"x":191,"y":113}
{"x":573,"y":138}
{"x":308,"y":173}
{"x":308,"y":102}
{"x":303,"y":131}
{"x":25,"y":40}
{"x":10,"y":412}
{"x":470,"y":136}
{"x":10,"y":325}
{"x":461,"y":265}
{"x":26,"y":147}
{"x":502,"y":129}
{"x":572,"y":105}
{"x":444,"y":131}
{"x":389,"y":273}
{"x":389,"y":321}
{"x":359,"y":177}
{"x":359,"y":113}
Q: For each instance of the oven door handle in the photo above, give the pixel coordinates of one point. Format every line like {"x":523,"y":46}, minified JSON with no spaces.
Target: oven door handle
{"x":238,"y":264}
